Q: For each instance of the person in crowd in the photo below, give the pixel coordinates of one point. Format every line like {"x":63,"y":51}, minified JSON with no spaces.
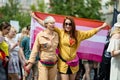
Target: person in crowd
{"x":87,"y":66}
{"x":15,"y":54}
{"x":70,"y":39}
{"x":104,"y":68}
{"x":114,"y":49}
{"x":19,"y":36}
{"x":4,"y":49}
{"x":116,"y":24}
{"x":95,"y":70}
{"x":25,"y":44}
{"x":81,"y":71}
{"x":46,"y":43}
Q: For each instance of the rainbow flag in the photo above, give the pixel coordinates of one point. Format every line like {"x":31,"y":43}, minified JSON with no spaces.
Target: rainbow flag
{"x":90,"y":49}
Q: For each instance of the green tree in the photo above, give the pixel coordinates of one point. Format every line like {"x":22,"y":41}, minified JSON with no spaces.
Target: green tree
{"x":11,"y":11}
{"x":41,"y":6}
{"x":77,"y":8}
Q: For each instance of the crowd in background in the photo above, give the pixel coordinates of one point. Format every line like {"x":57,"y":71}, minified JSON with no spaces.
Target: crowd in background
{"x":19,"y":62}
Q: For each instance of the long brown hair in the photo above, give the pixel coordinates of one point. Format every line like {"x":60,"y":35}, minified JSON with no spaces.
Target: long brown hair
{"x":73,"y":33}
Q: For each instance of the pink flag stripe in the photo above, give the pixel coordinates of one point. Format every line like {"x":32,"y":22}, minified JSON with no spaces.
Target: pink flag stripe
{"x":92,"y":50}
{"x":91,"y":44}
{"x":90,"y":56}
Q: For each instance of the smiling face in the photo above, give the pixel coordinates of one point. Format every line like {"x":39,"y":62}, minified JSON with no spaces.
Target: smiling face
{"x":68,"y":25}
{"x":49,"y":22}
{"x":50,"y":25}
{"x":12,"y":32}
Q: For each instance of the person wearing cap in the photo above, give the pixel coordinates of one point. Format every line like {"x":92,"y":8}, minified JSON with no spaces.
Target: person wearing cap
{"x":46,"y":43}
{"x":114,"y":49}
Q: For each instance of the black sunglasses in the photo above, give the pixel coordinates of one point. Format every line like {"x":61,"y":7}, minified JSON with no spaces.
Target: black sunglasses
{"x":70,"y":24}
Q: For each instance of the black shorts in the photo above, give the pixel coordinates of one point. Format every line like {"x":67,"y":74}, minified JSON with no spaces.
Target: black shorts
{"x":68,"y":71}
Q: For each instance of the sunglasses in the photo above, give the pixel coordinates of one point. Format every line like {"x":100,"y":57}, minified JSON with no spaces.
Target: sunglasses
{"x":70,"y":24}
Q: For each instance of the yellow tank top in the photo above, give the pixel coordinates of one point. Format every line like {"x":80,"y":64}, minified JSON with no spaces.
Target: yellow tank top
{"x":5,"y":48}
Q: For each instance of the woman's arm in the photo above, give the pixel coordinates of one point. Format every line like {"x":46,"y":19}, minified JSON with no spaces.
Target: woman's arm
{"x":40,"y":21}
{"x":115,"y":53}
{"x":82,"y":35}
{"x":22,"y":57}
{"x":33,"y":54}
{"x":102,"y":26}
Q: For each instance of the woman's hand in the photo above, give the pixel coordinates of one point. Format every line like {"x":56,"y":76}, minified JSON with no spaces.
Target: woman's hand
{"x":40,"y":21}
{"x":27,"y":67}
{"x":104,"y":25}
{"x":33,"y":15}
{"x":6,"y":59}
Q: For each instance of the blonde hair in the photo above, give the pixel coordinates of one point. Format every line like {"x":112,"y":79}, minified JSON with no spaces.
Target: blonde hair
{"x":13,"y":28}
{"x":49,"y":19}
{"x":24,"y":30}
{"x":116,"y":30}
{"x":23,"y":33}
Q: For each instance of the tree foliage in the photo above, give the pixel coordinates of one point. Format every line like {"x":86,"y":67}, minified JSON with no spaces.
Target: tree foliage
{"x":77,"y":8}
{"x":11,"y":11}
{"x":41,"y":6}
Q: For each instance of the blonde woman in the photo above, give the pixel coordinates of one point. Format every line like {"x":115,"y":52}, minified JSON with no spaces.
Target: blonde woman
{"x":20,"y":36}
{"x":114,"y":49}
{"x":15,"y":54}
{"x":46,"y":43}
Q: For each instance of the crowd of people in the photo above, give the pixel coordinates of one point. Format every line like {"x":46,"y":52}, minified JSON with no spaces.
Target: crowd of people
{"x":19,"y":62}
